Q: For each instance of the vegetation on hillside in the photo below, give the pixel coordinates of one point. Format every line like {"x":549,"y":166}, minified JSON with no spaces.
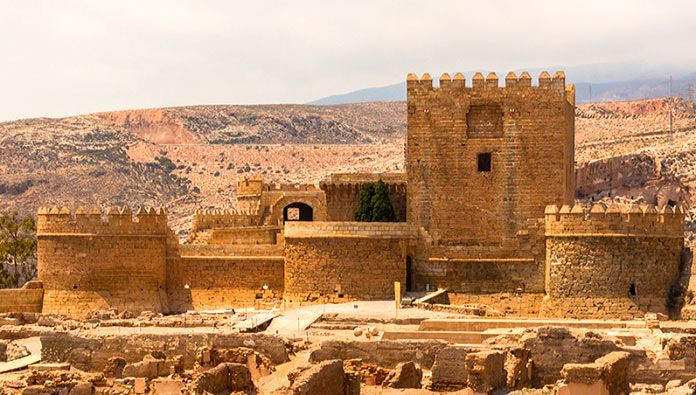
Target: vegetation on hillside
{"x":17,"y":249}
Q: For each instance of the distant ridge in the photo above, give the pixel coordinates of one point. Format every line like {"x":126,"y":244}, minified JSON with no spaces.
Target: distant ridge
{"x":610,"y":82}
{"x":395,"y":92}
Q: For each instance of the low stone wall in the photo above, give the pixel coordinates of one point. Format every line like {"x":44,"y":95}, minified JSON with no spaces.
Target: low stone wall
{"x":241,"y":235}
{"x":509,"y":303}
{"x":345,"y":259}
{"x":384,"y":353}
{"x":218,"y":282}
{"x":91,"y":353}
{"x":27,"y":299}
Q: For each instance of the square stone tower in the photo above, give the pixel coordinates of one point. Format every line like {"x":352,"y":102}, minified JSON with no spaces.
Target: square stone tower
{"x":484,"y":159}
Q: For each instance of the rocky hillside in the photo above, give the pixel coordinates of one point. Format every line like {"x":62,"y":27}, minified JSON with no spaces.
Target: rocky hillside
{"x":191,"y":157}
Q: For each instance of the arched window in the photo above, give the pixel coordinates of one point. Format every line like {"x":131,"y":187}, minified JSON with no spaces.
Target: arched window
{"x":298,"y":212}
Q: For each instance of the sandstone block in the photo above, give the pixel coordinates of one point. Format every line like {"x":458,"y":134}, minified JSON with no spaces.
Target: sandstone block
{"x":405,"y":375}
{"x":486,"y":370}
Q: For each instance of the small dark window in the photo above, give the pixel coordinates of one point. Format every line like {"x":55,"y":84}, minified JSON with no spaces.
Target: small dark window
{"x":632,"y":289}
{"x":484,"y":162}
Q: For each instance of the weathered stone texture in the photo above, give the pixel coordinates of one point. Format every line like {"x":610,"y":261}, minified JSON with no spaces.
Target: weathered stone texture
{"x":226,"y":376}
{"x":449,"y":368}
{"x":529,"y":134}
{"x":92,"y":353}
{"x":87,"y":263}
{"x":327,"y":378}
{"x":615,"y":263}
{"x":27,"y":299}
{"x":217,"y":282}
{"x":486,"y":370}
{"x":405,"y":375}
{"x":610,"y":371}
{"x":384,"y":353}
{"x":550,"y":348}
{"x":344,"y":259}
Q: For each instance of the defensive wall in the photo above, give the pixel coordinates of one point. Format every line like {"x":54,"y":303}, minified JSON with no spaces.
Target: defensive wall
{"x":333,"y":261}
{"x":487,"y":168}
{"x":27,"y":299}
{"x":225,"y":276}
{"x":89,"y":262}
{"x":611,"y":262}
{"x":477,"y":155}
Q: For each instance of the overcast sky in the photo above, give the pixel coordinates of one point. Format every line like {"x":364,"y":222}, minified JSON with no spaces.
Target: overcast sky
{"x":60,"y":58}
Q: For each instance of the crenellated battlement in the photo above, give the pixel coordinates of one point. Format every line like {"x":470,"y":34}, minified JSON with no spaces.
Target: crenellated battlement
{"x":55,"y":220}
{"x":208,"y":219}
{"x":511,"y":82}
{"x":598,"y":220}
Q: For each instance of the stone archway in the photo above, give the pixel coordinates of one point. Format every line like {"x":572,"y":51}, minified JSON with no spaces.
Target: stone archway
{"x":298,"y":211}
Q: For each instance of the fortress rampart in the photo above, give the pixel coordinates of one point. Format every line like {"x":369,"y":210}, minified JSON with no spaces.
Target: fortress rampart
{"x":342,"y":261}
{"x":87,"y":262}
{"x":487,"y":168}
{"x":611,"y":262}
{"x":209,"y":219}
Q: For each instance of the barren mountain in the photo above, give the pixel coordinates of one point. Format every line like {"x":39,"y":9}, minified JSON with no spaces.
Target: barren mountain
{"x":191,"y":157}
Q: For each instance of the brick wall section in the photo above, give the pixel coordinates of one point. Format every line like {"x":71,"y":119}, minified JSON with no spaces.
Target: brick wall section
{"x":360,"y":260}
{"x":27,"y":299}
{"x":87,"y":263}
{"x":238,"y":235}
{"x":529,"y":132}
{"x":224,"y":282}
{"x":491,"y":270}
{"x":596,"y":258}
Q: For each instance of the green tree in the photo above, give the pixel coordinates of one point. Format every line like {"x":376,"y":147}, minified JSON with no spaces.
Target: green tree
{"x":364,"y":211}
{"x":382,"y":209}
{"x":17,"y":249}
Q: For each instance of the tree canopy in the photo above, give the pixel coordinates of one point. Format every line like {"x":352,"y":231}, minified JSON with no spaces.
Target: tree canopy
{"x":375,"y":204}
{"x":17,"y":249}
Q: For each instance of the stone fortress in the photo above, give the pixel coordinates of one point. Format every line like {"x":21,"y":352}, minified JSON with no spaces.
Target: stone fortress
{"x":486,"y":210}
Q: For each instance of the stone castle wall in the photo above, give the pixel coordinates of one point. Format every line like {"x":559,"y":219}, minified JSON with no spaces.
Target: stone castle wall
{"x":87,"y":262}
{"x":223,"y":282}
{"x":492,"y":276}
{"x":211,"y":219}
{"x":611,"y":262}
{"x":332,"y":261}
{"x":27,"y":299}
{"x":528,"y":133}
{"x":343,"y":193}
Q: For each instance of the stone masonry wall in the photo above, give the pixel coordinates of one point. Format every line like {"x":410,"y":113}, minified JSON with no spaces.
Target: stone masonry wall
{"x":611,"y":262}
{"x":345,"y":260}
{"x":529,"y":134}
{"x":27,"y":299}
{"x":218,"y":282}
{"x":87,"y":263}
{"x":491,"y":275}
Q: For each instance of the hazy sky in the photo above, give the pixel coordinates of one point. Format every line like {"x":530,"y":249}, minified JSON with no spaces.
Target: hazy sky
{"x":61,"y":58}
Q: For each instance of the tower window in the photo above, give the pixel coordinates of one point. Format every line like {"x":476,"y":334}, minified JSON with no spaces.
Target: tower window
{"x":484,"y":162}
